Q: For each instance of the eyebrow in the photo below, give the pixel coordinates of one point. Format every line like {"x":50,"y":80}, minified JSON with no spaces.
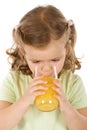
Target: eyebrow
{"x":42,"y":60}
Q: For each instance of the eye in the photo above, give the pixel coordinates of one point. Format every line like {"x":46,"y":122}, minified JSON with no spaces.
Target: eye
{"x":55,"y":60}
{"x":35,"y":62}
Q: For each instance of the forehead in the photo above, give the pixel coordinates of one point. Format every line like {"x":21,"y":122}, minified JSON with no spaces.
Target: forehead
{"x":54,"y":49}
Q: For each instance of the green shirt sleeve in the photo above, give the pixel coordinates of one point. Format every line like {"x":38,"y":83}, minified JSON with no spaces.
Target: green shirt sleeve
{"x":78,"y":95}
{"x":13,"y":86}
{"x":7,"y":89}
{"x":74,"y":89}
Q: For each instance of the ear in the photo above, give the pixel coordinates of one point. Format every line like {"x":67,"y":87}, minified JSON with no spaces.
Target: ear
{"x":68,"y":47}
{"x":20,"y":48}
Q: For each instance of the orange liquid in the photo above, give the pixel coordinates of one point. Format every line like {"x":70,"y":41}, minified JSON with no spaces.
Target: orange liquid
{"x":47,"y":101}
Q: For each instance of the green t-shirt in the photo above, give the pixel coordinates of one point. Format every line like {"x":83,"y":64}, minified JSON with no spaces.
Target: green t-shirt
{"x":14,"y":85}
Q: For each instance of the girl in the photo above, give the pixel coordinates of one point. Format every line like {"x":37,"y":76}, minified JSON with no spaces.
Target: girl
{"x":43,"y":38}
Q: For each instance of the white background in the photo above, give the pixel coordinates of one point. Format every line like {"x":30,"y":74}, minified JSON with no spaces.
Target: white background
{"x":11,"y":11}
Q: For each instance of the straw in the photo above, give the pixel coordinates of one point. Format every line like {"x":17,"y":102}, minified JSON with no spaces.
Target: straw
{"x":55,"y":72}
{"x":35,"y":72}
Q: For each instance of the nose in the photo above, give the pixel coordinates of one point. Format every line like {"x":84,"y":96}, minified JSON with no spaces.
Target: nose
{"x":46,"y":69}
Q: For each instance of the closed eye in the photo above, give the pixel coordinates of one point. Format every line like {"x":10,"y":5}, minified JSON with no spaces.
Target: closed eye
{"x":35,"y":61}
{"x":55,"y":60}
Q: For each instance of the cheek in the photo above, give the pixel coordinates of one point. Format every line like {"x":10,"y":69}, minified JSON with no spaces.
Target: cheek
{"x":31,"y":66}
{"x":60,"y":65}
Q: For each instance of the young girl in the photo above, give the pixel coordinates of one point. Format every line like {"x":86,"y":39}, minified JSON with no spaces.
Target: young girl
{"x":43,"y":38}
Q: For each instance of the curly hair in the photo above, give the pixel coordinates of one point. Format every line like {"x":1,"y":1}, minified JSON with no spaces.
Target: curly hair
{"x":37,"y":28}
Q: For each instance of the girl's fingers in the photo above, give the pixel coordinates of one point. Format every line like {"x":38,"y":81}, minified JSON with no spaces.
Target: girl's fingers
{"x":57,"y":83}
{"x":37,"y":82}
{"x":39,"y":93}
{"x":58,"y":90}
{"x":36,"y":88}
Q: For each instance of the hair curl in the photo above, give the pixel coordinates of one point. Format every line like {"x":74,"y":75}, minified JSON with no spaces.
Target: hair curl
{"x":37,"y":28}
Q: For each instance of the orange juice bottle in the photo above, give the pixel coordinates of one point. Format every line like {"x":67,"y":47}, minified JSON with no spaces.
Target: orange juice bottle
{"x":47,"y":102}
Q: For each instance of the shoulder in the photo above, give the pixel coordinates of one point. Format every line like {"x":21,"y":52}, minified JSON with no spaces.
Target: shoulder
{"x":74,"y":88}
{"x":15,"y":77}
{"x":69,"y":77}
{"x":72,"y":83}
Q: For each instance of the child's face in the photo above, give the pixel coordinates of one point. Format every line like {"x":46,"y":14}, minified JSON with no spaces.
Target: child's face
{"x":45,"y":58}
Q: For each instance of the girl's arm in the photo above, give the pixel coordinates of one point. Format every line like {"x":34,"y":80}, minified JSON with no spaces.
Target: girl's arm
{"x":11,"y":114}
{"x":75,"y":119}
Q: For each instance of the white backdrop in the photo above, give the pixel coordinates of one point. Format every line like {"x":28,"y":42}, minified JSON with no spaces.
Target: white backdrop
{"x":11,"y":12}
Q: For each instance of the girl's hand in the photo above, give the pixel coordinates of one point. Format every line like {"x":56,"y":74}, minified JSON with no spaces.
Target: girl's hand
{"x":32,"y":89}
{"x":63,"y":102}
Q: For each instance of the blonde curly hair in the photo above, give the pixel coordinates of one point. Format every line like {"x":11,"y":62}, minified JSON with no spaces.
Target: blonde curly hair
{"x":37,"y":28}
